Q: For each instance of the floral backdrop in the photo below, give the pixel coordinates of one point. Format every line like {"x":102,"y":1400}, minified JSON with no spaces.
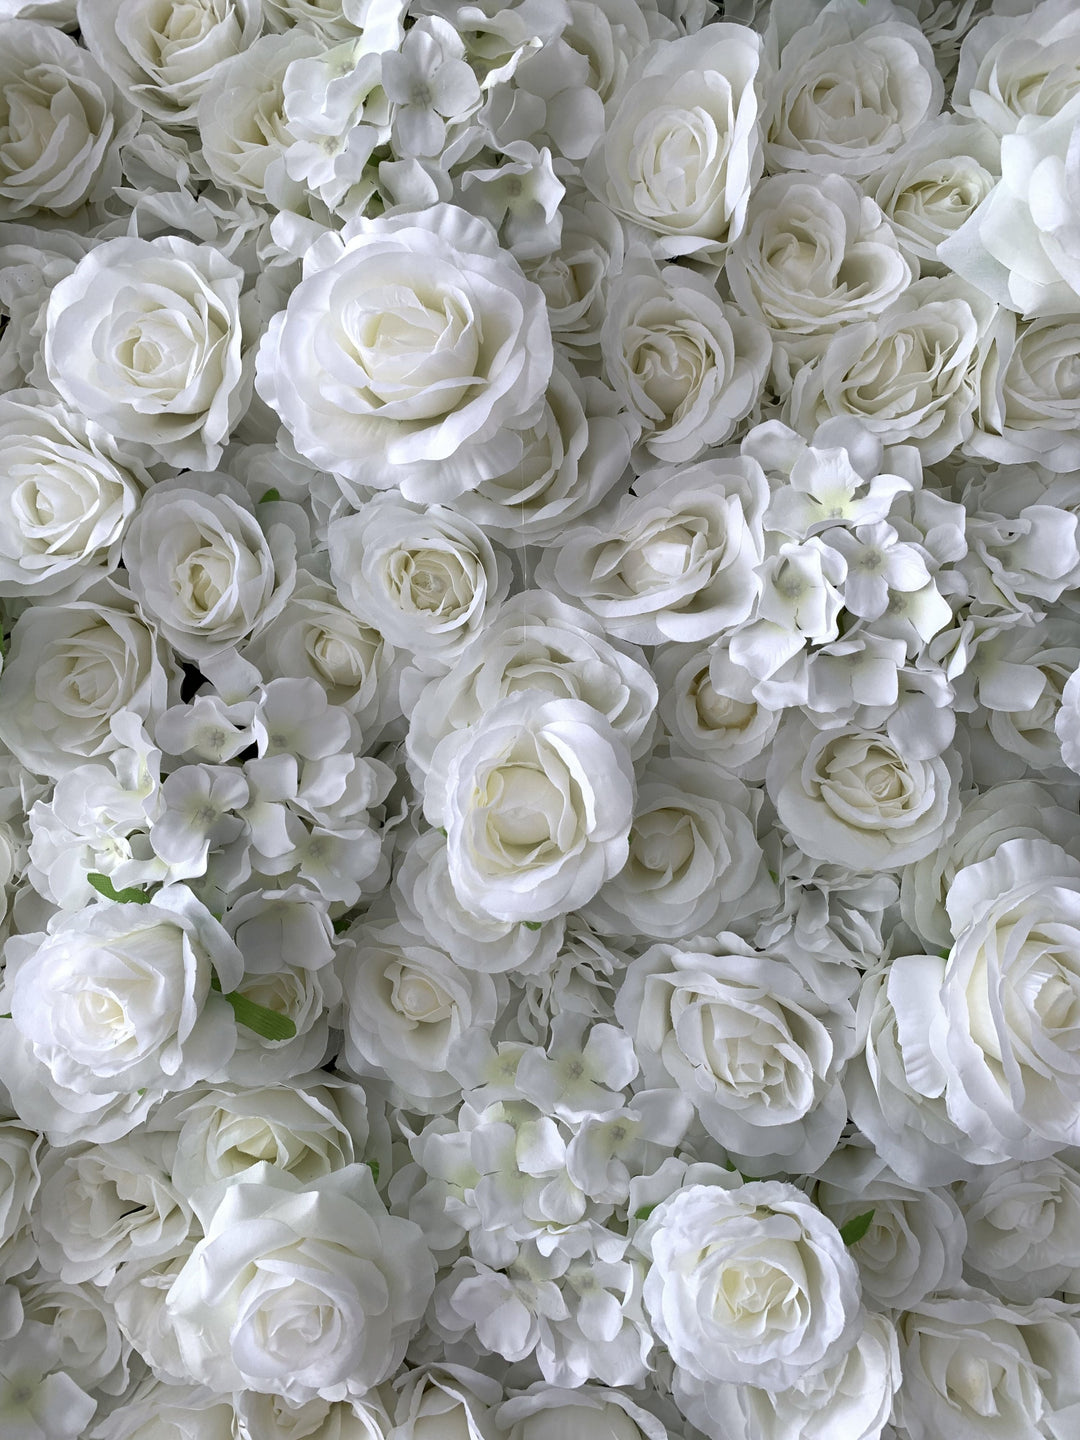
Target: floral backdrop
{"x":540,"y":720}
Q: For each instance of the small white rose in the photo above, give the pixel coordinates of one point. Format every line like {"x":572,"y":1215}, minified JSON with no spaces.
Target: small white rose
{"x":145,"y":338}
{"x":303,"y":1289}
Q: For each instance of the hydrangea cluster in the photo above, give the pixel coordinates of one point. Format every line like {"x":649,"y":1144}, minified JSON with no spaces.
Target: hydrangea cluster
{"x":540,"y":720}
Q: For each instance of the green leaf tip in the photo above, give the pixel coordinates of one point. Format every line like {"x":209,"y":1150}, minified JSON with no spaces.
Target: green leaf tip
{"x":854,"y":1230}
{"x":260,"y":1018}
{"x":104,"y":886}
{"x":272,"y":494}
{"x":644,"y":1212}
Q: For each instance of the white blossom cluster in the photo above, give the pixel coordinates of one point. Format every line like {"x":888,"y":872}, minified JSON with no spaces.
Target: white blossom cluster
{"x":540,"y":720}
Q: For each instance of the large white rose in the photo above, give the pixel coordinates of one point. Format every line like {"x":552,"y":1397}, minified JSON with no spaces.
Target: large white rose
{"x":676,"y":560}
{"x":145,"y":337}
{"x":852,"y":797}
{"x":683,"y":142}
{"x":62,"y":121}
{"x":156,"y":1411}
{"x":749,"y":1283}
{"x":20,"y":1177}
{"x":67,"y":492}
{"x":112,"y":1009}
{"x":410,"y":354}
{"x":852,"y":88}
{"x":911,"y":377}
{"x":536,"y":799}
{"x":742,"y":1036}
{"x":69,"y":669}
{"x":301,"y":1289}
{"x":162,"y":56}
{"x":1011,"y":996}
{"x":203,"y":568}
{"x":1031,"y":410}
{"x":426,"y":578}
{"x":974,"y":1369}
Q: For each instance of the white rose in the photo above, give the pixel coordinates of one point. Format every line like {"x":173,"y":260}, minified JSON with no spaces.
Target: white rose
{"x":974,"y":1368}
{"x":63,"y":123}
{"x":1022,"y":245}
{"x":20,"y":1178}
{"x":241,"y":112}
{"x":1011,"y":985}
{"x":410,"y":354}
{"x":694,"y":861}
{"x":406,"y":1007}
{"x":163,"y":57}
{"x":203,"y":568}
{"x":67,"y":493}
{"x":426,"y":578}
{"x":301,"y":1289}
{"x":536,"y":642}
{"x":816,"y":254}
{"x":851,"y":1399}
{"x":429,"y":909}
{"x":272,"y":1417}
{"x":676,"y":560}
{"x":447,"y":1402}
{"x":689,"y":109}
{"x":113,"y":1009}
{"x":536,"y":800}
{"x":852,"y":797}
{"x":32,"y":261}
{"x":936,"y":184}
{"x":157,"y":1411}
{"x":914,"y":1244}
{"x":316,"y":638}
{"x":748,"y":1284}
{"x":687,"y":366}
{"x":90,"y":1347}
{"x":1020,"y":64}
{"x":910,"y":377}
{"x":575,"y":277}
{"x":896,"y":1085}
{"x":852,"y":88}
{"x":1067,"y":722}
{"x":573,"y":455}
{"x":1031,"y":411}
{"x":69,"y":669}
{"x":1023,"y":1224}
{"x":309,"y":1127}
{"x":746,"y":1040}
{"x":545,"y":1412}
{"x":102,"y":1206}
{"x":708,"y":707}
{"x":145,"y":337}
{"x":1019,"y":808}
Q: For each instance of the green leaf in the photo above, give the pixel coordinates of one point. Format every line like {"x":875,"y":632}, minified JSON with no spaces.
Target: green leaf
{"x":6,"y":1017}
{"x":856,"y":1228}
{"x":104,"y":886}
{"x":645,"y":1211}
{"x":532,"y":924}
{"x":341,"y":924}
{"x":272,"y":494}
{"x":373,"y":1166}
{"x":264,"y":1021}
